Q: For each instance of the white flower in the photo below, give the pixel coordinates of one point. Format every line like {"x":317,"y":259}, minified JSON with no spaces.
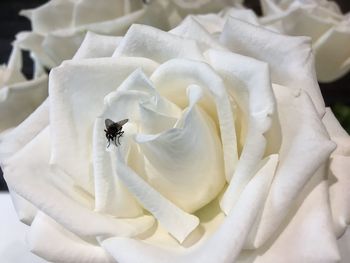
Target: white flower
{"x":321,"y":20}
{"x":225,"y":157}
{"x":59,"y":26}
{"x":19,"y":96}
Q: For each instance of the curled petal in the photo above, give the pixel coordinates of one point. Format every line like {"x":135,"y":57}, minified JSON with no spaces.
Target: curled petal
{"x":59,"y":198}
{"x":172,"y":80}
{"x":60,"y":47}
{"x":177,"y":222}
{"x":338,"y":179}
{"x":33,"y":42}
{"x":323,"y":22}
{"x":72,"y":115}
{"x":51,"y":16}
{"x":87,"y":11}
{"x":296,"y":238}
{"x":13,"y":141}
{"x":25,"y":210}
{"x":305,"y":147}
{"x":111,"y":196}
{"x":214,"y":23}
{"x":137,"y":99}
{"x":332,"y":60}
{"x":95,"y":45}
{"x":53,"y":242}
{"x":290,"y":58}
{"x":159,"y":46}
{"x":192,"y":29}
{"x":249,"y":83}
{"x":19,"y":100}
{"x":185,"y":159}
{"x":231,"y":232}
{"x":11,"y":73}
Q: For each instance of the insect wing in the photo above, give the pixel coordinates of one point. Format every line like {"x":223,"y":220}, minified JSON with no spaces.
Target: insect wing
{"x":108,"y":123}
{"x":122,"y":122}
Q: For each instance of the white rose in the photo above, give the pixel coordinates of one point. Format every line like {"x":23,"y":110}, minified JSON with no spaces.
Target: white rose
{"x":59,"y":26}
{"x":19,"y":96}
{"x":225,"y":157}
{"x":321,"y":20}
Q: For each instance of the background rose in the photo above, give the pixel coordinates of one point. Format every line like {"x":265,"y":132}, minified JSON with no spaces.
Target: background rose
{"x":59,"y":26}
{"x":217,"y":92}
{"x":321,"y":20}
{"x":18,"y":96}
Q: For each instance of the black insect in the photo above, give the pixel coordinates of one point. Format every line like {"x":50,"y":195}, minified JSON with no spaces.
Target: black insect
{"x":114,"y":130}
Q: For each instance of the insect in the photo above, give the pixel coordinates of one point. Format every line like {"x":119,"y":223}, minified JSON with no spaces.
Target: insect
{"x":114,"y":130}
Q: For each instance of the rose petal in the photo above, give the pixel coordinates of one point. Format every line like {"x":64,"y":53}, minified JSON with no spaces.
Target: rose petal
{"x":53,"y":242}
{"x":344,"y":244}
{"x":214,"y":23}
{"x":72,"y":115}
{"x":53,"y":43}
{"x":339,"y":174}
{"x":203,"y":6}
{"x":231,"y":232}
{"x":190,"y":28}
{"x":269,"y":7}
{"x":299,"y":22}
{"x":324,"y":23}
{"x":273,"y":6}
{"x":94,"y":46}
{"x":134,"y":99}
{"x":152,"y":43}
{"x":171,"y":217}
{"x":12,"y":243}
{"x":58,"y":197}
{"x":185,"y":159}
{"x":12,"y":142}
{"x":19,"y":100}
{"x":305,"y":147}
{"x":87,"y":11}
{"x":249,"y":83}
{"x":111,"y":196}
{"x":336,"y":132}
{"x":307,"y":235}
{"x":11,"y":73}
{"x":33,"y":42}
{"x":153,"y":14}
{"x":24,"y":209}
{"x":243,"y":14}
{"x":60,"y":47}
{"x":290,"y":59}
{"x":51,"y":16}
{"x":137,"y":99}
{"x":239,"y":221}
{"x":332,"y":59}
{"x":172,"y":79}
{"x":154,"y":121}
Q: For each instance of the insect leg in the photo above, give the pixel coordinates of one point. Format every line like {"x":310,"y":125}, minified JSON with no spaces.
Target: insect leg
{"x":120,"y":134}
